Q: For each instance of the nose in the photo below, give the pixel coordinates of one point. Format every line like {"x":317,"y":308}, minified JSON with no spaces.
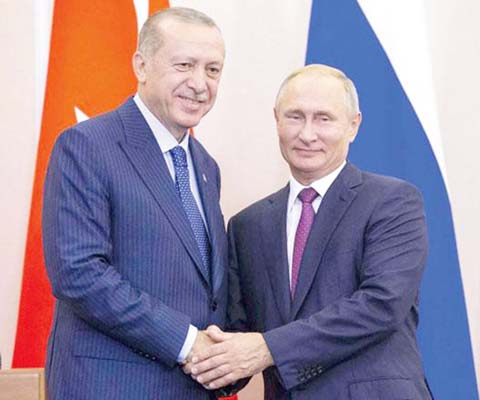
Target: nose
{"x":198,"y":80}
{"x":308,"y":132}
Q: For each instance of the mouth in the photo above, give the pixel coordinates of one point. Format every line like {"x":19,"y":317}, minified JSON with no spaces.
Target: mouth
{"x":307,"y":151}
{"x":192,"y":100}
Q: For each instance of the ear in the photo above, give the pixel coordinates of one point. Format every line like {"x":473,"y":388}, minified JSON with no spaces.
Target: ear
{"x":275,"y":114}
{"x":355,"y":124}
{"x":139,"y":64}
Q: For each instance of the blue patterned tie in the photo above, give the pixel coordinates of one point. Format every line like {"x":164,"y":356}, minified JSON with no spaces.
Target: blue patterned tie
{"x":182,"y":183}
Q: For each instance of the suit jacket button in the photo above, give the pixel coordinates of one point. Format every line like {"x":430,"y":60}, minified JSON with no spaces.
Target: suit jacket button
{"x":214,"y":305}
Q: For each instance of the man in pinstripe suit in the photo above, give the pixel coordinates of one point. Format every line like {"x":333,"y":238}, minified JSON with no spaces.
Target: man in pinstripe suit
{"x":135,"y":279}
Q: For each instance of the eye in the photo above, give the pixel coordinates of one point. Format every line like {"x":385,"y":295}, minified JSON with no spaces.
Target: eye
{"x":213,"y":71}
{"x":293,"y":116}
{"x":323,"y":117}
{"x":183,"y":66}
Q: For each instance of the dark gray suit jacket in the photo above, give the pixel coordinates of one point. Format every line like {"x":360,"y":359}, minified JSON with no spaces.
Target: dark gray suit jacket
{"x":123,"y":263}
{"x":349,"y":332}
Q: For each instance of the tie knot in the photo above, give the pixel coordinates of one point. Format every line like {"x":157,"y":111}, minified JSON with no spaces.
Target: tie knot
{"x":179,"y":156}
{"x":307,"y":195}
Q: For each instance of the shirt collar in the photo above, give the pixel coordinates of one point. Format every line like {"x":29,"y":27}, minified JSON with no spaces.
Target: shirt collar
{"x":164,"y":138}
{"x":321,"y":185}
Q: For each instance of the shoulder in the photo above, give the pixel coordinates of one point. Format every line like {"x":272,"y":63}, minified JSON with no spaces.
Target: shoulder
{"x":99,"y":128}
{"x":89,"y":144}
{"x":383,"y":185}
{"x":254,"y":211}
{"x":375,"y":185}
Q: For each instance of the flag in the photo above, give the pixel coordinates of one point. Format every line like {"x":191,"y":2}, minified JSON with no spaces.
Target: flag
{"x":393,"y":141}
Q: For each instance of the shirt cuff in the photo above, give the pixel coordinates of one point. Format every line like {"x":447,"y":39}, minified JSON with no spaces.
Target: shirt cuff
{"x":188,"y":344}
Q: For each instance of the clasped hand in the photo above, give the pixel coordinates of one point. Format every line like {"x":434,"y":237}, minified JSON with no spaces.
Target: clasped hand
{"x":221,"y":358}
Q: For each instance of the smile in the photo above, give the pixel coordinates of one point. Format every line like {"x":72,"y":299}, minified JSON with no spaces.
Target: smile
{"x":308,"y":151}
{"x":192,"y":100}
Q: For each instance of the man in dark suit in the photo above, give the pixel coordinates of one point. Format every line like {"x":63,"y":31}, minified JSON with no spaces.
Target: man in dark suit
{"x":134,"y":238}
{"x":327,"y":269}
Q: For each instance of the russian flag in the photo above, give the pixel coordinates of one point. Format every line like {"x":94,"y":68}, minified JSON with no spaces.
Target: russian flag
{"x":393,"y":141}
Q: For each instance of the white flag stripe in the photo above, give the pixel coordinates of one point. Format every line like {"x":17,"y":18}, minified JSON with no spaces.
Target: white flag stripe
{"x":141,"y":11}
{"x":401,"y":28}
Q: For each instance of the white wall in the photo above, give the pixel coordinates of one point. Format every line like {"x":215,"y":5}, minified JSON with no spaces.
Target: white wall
{"x":17,"y":155}
{"x":455,"y":48}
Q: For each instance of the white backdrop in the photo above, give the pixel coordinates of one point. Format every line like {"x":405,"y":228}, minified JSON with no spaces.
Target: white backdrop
{"x":450,"y":42}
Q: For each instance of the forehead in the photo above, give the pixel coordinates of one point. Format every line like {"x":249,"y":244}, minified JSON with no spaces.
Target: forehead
{"x":178,"y":37}
{"x":313,"y":91}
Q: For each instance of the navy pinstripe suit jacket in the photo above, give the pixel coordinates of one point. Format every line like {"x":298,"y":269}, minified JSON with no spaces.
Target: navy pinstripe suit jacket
{"x":123,"y":263}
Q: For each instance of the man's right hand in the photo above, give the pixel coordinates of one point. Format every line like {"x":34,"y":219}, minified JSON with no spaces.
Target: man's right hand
{"x":202,"y":341}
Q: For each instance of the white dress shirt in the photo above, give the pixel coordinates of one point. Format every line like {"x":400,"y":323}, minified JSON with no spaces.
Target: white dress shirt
{"x":167,"y":142}
{"x":294,"y":207}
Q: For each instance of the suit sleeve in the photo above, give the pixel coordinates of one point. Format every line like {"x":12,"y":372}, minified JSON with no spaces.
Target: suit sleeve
{"x":395,"y":250}
{"x":236,"y":314}
{"x":78,"y":253}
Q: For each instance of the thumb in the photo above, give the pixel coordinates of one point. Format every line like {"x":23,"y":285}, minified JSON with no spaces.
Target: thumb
{"x":217,"y":335}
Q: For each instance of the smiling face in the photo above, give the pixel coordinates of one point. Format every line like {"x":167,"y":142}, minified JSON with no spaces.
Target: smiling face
{"x":179,"y":82}
{"x":314,"y":125}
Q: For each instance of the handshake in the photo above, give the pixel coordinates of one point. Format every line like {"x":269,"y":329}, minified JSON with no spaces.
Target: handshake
{"x":219,"y":358}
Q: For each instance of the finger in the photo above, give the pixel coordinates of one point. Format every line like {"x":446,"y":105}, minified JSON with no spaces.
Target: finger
{"x":221,"y":382}
{"x":216,"y":334}
{"x":209,"y":364}
{"x":187,"y":368}
{"x":214,"y":374}
{"x":208,"y":352}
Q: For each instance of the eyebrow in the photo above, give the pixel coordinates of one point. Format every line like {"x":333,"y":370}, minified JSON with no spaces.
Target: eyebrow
{"x":301,"y":111}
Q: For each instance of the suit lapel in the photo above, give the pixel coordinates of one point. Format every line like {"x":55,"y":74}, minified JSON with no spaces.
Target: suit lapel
{"x":274,"y":238}
{"x":144,"y":153}
{"x":208,"y":189}
{"x":334,"y":204}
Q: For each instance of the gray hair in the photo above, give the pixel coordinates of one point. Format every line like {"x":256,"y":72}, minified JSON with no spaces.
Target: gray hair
{"x":351,"y":95}
{"x":150,"y":37}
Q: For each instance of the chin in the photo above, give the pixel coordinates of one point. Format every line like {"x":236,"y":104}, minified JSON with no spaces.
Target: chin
{"x":188,"y":122}
{"x":308,"y":167}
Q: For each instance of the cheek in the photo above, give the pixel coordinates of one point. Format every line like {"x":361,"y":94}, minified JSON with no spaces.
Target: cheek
{"x":285,"y":147}
{"x":285,"y":144}
{"x":287,"y":135}
{"x":212,"y":89}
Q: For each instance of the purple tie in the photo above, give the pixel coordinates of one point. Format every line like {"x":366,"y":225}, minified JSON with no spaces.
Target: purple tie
{"x":306,"y":196}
